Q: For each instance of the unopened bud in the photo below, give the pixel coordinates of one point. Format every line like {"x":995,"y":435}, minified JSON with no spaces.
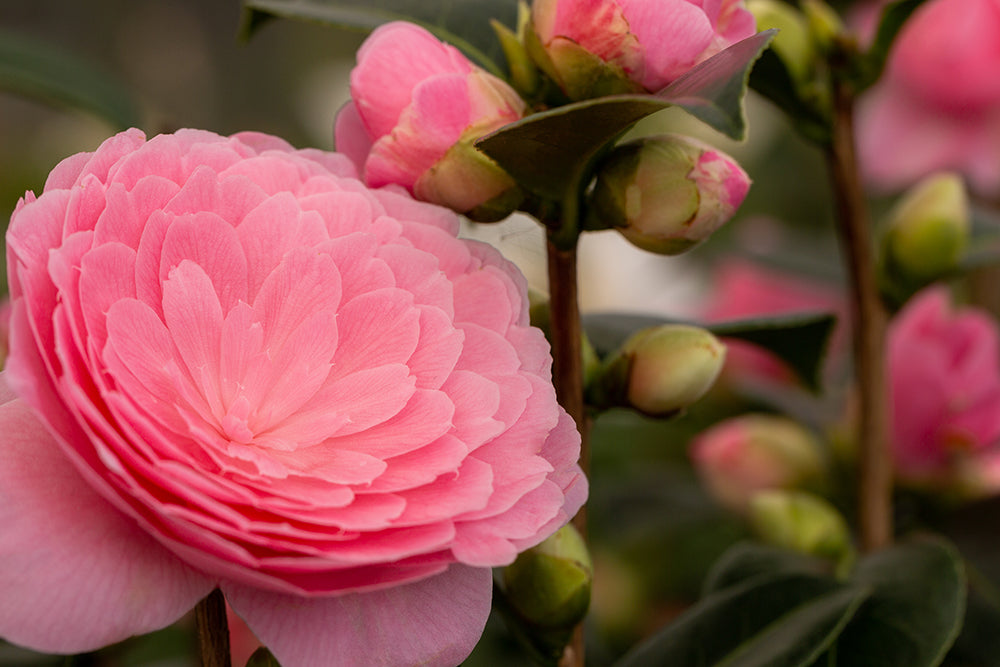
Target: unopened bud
{"x":793,"y":43}
{"x":801,"y":522}
{"x":262,"y":658}
{"x":661,"y":370}
{"x":667,"y":193}
{"x":549,"y":584}
{"x":927,"y":231}
{"x":740,"y":457}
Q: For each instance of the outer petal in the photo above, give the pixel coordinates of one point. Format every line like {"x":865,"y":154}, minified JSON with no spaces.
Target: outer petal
{"x":435,"y":621}
{"x":75,"y":573}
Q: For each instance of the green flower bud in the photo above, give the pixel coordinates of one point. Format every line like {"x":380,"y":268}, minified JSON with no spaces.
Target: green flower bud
{"x":793,"y":43}
{"x":667,"y":193}
{"x":801,"y":522}
{"x":262,"y":658}
{"x":927,"y":231}
{"x":661,"y":370}
{"x":549,"y":584}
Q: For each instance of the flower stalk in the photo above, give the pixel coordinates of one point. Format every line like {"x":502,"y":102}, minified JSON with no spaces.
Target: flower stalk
{"x":213,"y":631}
{"x":869,"y":322}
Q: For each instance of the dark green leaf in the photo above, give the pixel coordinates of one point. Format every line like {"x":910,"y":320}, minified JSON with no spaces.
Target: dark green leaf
{"x":771,"y":78}
{"x":464,"y":23}
{"x":52,"y":75}
{"x":799,"y":340}
{"x":915,"y":611}
{"x":748,"y":560}
{"x":894,"y":16}
{"x":781,"y":621}
{"x":547,"y":152}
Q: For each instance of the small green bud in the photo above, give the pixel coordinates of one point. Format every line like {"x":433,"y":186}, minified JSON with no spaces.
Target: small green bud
{"x":262,"y":658}
{"x":801,"y":522}
{"x":668,"y":193}
{"x":549,"y":584}
{"x":793,"y":43}
{"x":661,"y":370}
{"x":927,"y":231}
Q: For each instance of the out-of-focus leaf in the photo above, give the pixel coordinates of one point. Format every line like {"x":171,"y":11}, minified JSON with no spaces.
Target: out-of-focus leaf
{"x":771,"y":78}
{"x":55,"y":76}
{"x":894,"y":16}
{"x":748,"y":560}
{"x":464,"y":23}
{"x":546,"y":151}
{"x":799,"y":340}
{"x":915,"y":611}
{"x":779,"y":621}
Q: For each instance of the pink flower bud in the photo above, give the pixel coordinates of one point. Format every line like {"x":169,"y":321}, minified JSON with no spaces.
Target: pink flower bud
{"x":418,"y":106}
{"x":668,"y":193}
{"x":945,"y":387}
{"x":601,"y":47}
{"x":741,"y":456}
{"x":938,"y":104}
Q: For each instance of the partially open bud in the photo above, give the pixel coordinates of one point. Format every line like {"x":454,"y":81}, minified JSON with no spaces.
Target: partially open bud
{"x":793,"y":43}
{"x":667,"y":193}
{"x":927,"y":231}
{"x":549,"y":585}
{"x":740,"y":457}
{"x":661,"y":370}
{"x":801,"y":522}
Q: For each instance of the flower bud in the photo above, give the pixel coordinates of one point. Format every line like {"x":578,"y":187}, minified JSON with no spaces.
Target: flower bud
{"x":801,"y":522}
{"x":793,"y":43}
{"x":549,"y":585}
{"x":740,"y":457}
{"x":668,"y":193}
{"x":927,"y":231}
{"x":262,"y":658}
{"x":661,"y":370}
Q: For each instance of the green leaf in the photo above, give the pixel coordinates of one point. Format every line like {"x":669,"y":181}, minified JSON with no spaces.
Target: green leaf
{"x":799,"y":340}
{"x":771,"y":78}
{"x":915,"y":611}
{"x":780,"y":621}
{"x":58,"y":77}
{"x":894,"y":16}
{"x":464,"y":23}
{"x":548,"y":153}
{"x":748,"y":560}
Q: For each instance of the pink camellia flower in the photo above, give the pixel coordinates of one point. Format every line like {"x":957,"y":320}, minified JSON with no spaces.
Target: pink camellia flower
{"x":945,"y":387}
{"x":418,"y":106}
{"x":236,"y":366}
{"x":601,"y":47}
{"x":937,"y":106}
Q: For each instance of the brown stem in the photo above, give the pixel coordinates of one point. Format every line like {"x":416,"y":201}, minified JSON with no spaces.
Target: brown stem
{"x":869,"y":328}
{"x":213,"y":631}
{"x":567,"y":375}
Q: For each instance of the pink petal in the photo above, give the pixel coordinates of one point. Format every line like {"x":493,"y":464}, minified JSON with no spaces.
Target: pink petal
{"x":433,"y":622}
{"x":77,"y":574}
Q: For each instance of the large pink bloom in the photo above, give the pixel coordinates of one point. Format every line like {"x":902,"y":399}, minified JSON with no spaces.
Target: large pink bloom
{"x":945,"y":384}
{"x":417,"y":106}
{"x":653,"y":42}
{"x":238,"y":366}
{"x":938,"y":104}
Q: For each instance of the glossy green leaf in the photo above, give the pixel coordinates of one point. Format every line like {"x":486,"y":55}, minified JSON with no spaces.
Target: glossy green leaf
{"x":546,"y":151}
{"x":799,"y":340}
{"x":464,"y":23}
{"x":748,"y":560}
{"x":779,"y":621}
{"x":894,"y":16}
{"x":915,"y":611}
{"x":55,"y":76}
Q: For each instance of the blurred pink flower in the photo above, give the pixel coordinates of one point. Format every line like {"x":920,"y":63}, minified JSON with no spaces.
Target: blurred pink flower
{"x":945,"y":387}
{"x":743,"y":290}
{"x":937,"y":106}
{"x":418,"y":104}
{"x":649,"y":42}
{"x":236,"y":366}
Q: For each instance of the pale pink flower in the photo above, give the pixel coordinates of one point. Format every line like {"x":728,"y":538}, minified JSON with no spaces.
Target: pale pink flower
{"x":937,"y":106}
{"x":945,"y":387}
{"x":237,"y":366}
{"x":417,"y":106}
{"x":650,"y":42}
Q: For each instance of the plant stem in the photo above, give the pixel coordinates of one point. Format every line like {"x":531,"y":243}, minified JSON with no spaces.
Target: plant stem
{"x":567,"y":376}
{"x":213,"y":630}
{"x":869,"y":321}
